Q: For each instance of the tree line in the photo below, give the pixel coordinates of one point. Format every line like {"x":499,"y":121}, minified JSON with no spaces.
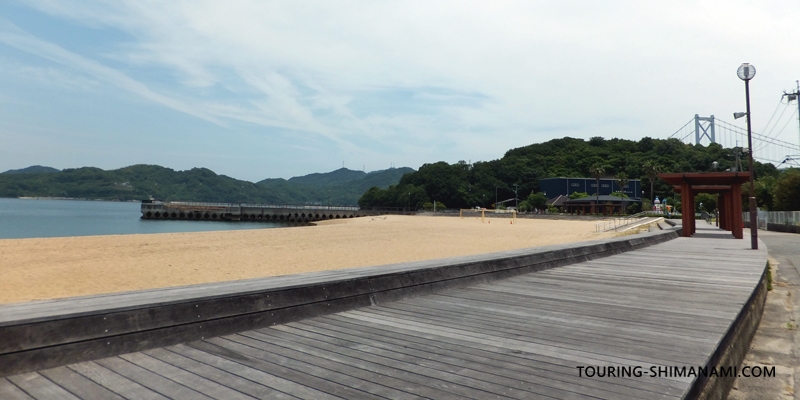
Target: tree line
{"x":518,"y":172}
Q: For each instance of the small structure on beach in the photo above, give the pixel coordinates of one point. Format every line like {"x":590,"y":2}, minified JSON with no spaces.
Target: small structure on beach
{"x":607,"y":205}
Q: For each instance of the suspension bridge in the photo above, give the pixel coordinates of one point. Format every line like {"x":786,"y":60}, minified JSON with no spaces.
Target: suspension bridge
{"x":767,"y":148}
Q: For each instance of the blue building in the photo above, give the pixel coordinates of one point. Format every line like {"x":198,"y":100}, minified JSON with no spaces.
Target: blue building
{"x":554,"y":187}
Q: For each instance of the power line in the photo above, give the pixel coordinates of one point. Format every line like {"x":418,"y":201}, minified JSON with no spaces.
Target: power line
{"x":769,"y":134}
{"x":780,"y":101}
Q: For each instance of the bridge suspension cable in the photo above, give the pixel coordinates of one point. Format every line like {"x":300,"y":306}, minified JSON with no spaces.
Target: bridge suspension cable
{"x":682,"y":129}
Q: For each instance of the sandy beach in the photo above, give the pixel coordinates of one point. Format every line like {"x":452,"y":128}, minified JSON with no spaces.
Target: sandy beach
{"x":46,"y":268}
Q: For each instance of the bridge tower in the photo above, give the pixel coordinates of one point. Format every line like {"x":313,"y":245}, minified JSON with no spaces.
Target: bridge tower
{"x":704,"y":130}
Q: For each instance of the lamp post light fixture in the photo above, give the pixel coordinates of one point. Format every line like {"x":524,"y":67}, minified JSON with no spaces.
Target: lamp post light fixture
{"x":746,"y":72}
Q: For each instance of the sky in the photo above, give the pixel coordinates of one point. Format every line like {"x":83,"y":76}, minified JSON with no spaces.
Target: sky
{"x":274,"y":89}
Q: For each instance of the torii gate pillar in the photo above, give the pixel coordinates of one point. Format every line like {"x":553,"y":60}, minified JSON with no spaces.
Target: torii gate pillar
{"x":727,"y":184}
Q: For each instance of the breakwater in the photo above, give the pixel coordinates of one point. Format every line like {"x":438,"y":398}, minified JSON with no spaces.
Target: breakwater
{"x":246,"y":212}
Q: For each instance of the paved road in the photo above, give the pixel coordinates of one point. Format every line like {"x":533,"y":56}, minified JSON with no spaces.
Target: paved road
{"x":777,"y":341}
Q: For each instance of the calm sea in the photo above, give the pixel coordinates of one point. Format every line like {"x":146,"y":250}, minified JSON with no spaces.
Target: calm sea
{"x":23,"y":218}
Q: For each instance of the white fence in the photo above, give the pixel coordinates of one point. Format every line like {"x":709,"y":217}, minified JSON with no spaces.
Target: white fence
{"x":774,"y":217}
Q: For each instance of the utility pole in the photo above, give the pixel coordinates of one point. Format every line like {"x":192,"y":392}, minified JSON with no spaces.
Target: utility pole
{"x":795,"y":96}
{"x":516,"y":200}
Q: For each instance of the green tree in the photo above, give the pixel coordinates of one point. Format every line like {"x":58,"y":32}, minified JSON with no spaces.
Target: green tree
{"x":786,"y":191}
{"x":709,"y":201}
{"x":597,"y":170}
{"x":578,"y":195}
{"x":651,"y":170}
{"x":537,"y":200}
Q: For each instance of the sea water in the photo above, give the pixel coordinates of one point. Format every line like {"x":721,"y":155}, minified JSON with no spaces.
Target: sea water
{"x":32,"y":218}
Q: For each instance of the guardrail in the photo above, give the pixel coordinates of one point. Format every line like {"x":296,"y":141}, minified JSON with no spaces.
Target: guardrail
{"x":780,"y":221}
{"x":618,"y":222}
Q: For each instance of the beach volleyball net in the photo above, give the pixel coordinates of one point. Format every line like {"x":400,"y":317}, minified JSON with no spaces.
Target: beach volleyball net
{"x":483,"y":214}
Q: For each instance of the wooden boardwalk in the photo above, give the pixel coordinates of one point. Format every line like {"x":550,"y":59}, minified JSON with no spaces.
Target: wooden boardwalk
{"x":524,"y":337}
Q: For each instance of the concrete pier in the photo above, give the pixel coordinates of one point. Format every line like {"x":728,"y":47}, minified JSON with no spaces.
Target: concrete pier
{"x":246,"y":212}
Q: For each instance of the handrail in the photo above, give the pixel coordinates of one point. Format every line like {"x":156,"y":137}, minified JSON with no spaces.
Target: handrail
{"x":618,"y":222}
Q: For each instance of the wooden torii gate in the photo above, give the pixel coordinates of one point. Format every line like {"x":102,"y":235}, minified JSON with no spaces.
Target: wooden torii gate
{"x":728,"y":185}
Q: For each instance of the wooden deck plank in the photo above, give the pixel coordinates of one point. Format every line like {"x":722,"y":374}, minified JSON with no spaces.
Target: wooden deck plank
{"x":231,"y":363}
{"x":581,"y":357}
{"x":275,"y":365}
{"x":185,"y":378}
{"x":155,"y":382}
{"x":570,"y":317}
{"x":420,"y":385}
{"x":457,"y":385}
{"x":510,"y":387}
{"x":225,"y":378}
{"x":358,"y":378}
{"x":78,"y":385}
{"x":553,"y":337}
{"x":666,"y":319}
{"x":531,"y":362}
{"x":531,"y":381}
{"x":530,"y":327}
{"x":10,"y":391}
{"x":115,"y":382}
{"x":40,"y":388}
{"x":361,"y":373}
{"x":549,"y":313}
{"x":584,"y":325}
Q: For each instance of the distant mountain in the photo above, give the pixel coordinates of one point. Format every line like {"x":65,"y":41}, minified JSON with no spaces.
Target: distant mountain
{"x":136,"y":182}
{"x":340,"y":176}
{"x":342,"y":186}
{"x":33,"y":169}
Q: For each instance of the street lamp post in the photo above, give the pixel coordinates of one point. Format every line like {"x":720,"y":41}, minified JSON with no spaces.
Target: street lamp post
{"x":495,"y":198}
{"x":745,"y":73}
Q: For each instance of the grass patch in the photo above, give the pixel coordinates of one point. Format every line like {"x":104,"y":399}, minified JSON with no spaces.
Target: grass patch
{"x":769,"y":277}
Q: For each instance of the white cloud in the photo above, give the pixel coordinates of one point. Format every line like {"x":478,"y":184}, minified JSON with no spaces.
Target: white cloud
{"x":520,"y":71}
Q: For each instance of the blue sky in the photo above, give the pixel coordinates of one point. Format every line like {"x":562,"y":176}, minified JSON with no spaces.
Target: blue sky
{"x":261,"y":89}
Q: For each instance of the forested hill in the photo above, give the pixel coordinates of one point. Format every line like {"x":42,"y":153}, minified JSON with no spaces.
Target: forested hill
{"x":33,"y":169}
{"x":136,"y":182}
{"x":463,"y":185}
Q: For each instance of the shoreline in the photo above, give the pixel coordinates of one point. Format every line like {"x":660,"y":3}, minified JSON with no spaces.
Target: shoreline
{"x":46,"y":268}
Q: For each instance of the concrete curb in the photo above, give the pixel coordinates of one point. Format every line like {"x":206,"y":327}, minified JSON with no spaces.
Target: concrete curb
{"x":41,"y":335}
